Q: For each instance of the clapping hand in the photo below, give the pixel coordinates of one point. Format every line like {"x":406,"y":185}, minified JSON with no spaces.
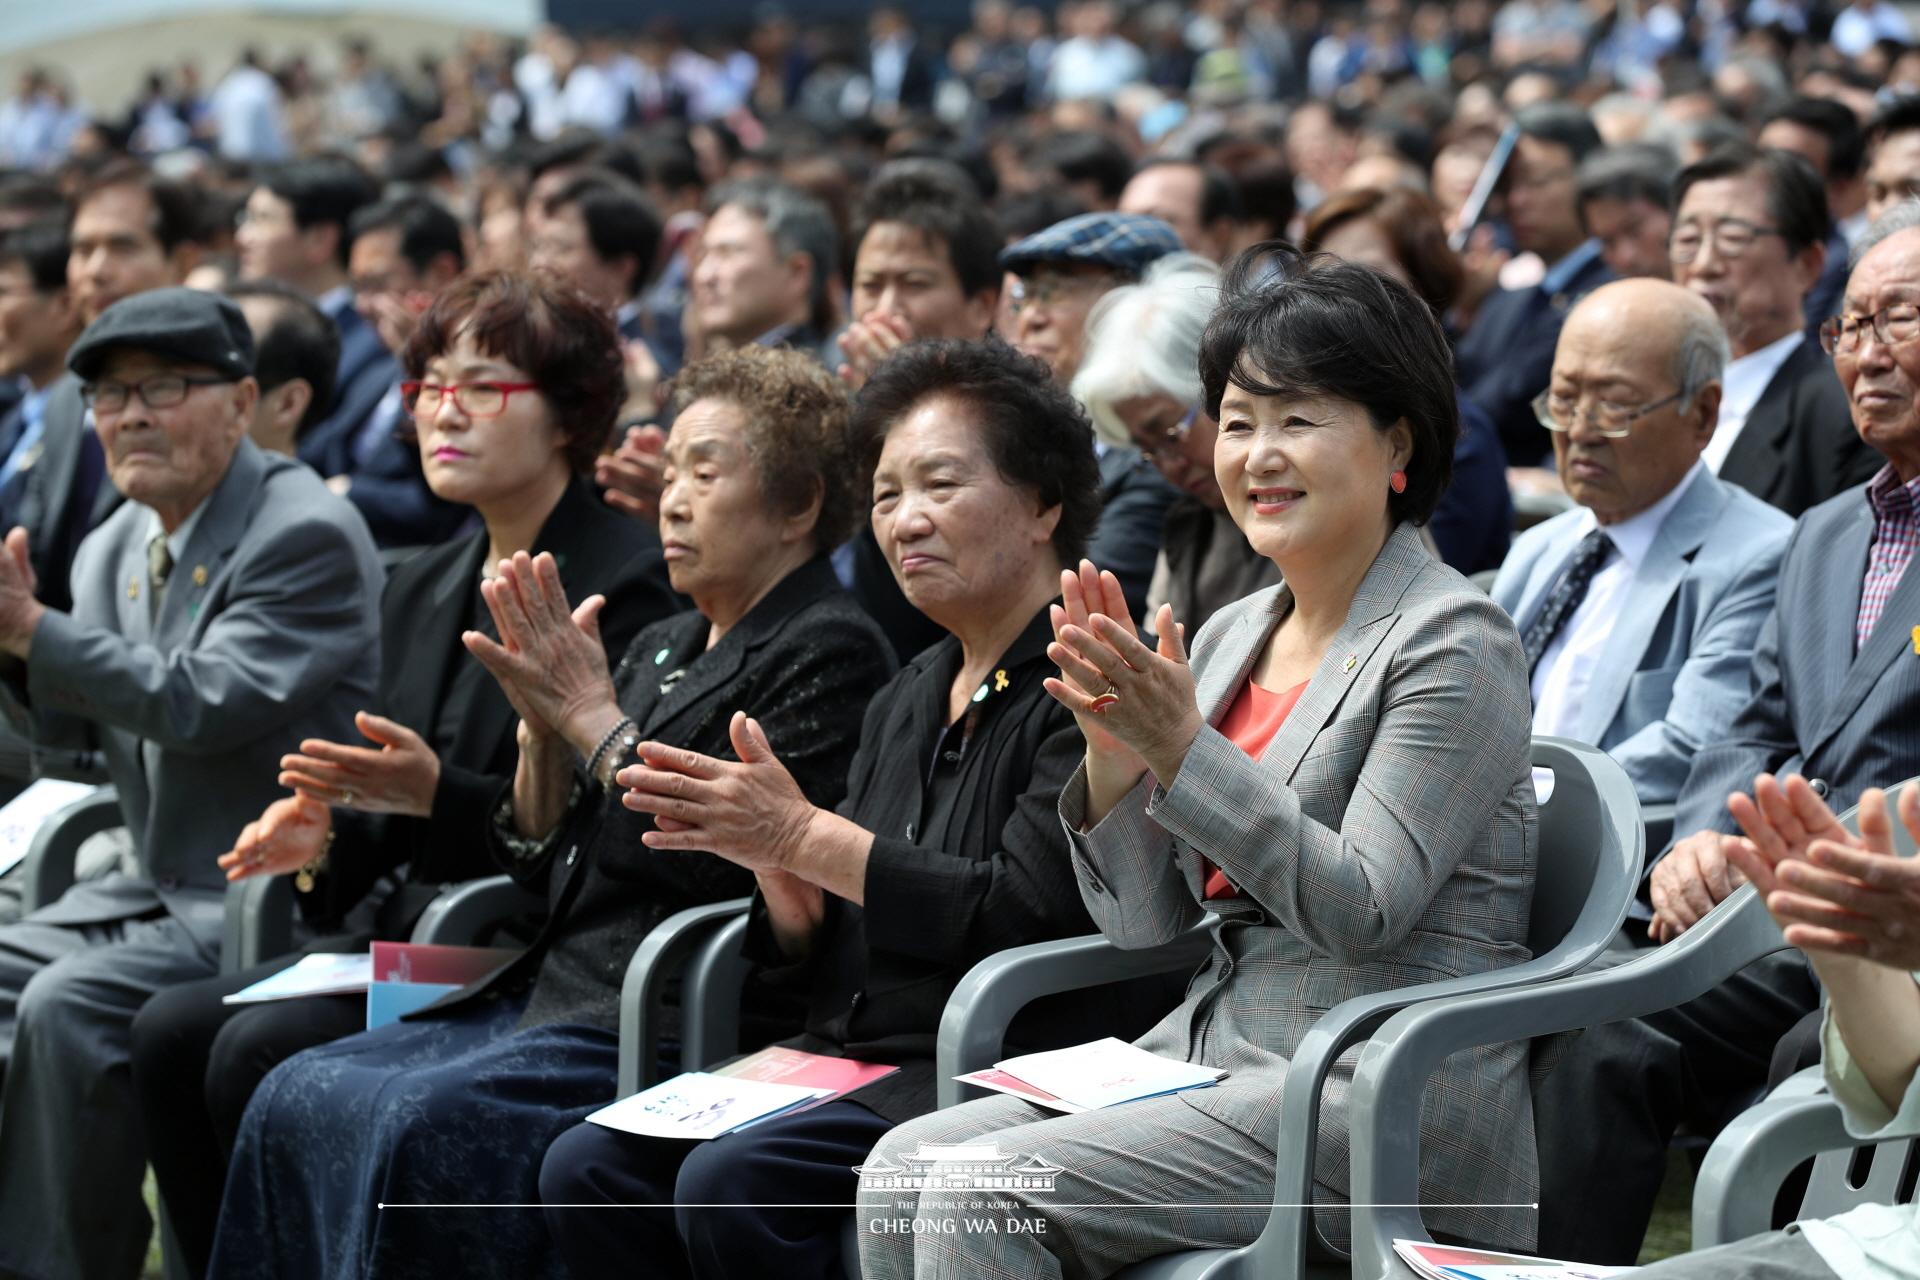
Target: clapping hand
{"x":1126,"y":697}
{"x":20,"y":611}
{"x":634,"y":475}
{"x":750,"y":812}
{"x":870,"y":340}
{"x":400,"y":774}
{"x":289,"y":835}
{"x":549,"y":659}
{"x":1843,"y":894}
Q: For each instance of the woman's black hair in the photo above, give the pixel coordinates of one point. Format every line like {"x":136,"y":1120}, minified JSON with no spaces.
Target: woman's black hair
{"x":1289,"y":324}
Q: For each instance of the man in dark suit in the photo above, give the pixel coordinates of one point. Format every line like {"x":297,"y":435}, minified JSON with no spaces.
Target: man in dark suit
{"x":769,"y":255}
{"x":1835,"y":696}
{"x":294,"y":229}
{"x":221,"y":615}
{"x":38,"y":322}
{"x":130,"y":232}
{"x":1828,"y":136}
{"x":1058,"y":274}
{"x":1507,"y":356}
{"x":403,"y":253}
{"x":1750,"y":237}
{"x":600,"y":233}
{"x":900,"y":69}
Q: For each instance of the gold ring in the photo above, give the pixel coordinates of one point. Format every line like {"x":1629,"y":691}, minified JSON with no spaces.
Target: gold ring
{"x":1110,"y":698}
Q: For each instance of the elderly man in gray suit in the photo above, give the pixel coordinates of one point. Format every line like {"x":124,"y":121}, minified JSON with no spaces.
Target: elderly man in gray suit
{"x":1835,"y":696}
{"x":1639,"y":609}
{"x":227,"y":611}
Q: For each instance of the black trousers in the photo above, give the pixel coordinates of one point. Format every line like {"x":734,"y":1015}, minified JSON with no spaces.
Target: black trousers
{"x":742,"y":1205}
{"x":196,"y":1063}
{"x":1607,"y":1114}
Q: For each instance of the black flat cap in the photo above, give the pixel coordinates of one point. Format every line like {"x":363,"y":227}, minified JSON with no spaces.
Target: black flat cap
{"x":188,"y":324}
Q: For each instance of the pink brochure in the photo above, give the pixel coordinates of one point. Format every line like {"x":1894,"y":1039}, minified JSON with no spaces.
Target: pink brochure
{"x":420,"y":962}
{"x":776,"y":1065}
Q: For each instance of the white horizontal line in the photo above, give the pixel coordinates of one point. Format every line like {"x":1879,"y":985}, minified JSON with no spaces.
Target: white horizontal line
{"x":1132,"y":1204}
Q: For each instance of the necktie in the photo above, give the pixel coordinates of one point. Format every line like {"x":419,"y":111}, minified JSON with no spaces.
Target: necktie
{"x":159,"y":565}
{"x":1566,"y":595}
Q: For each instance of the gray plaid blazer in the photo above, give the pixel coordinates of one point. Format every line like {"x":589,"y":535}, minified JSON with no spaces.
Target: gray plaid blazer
{"x":1386,"y":837}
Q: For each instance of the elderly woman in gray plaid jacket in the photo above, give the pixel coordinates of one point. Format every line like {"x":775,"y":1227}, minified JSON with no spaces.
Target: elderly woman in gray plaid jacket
{"x":1339,"y":773}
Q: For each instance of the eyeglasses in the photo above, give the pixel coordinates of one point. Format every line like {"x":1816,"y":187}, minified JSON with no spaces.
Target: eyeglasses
{"x":1893,"y":326}
{"x":1173,"y":437}
{"x":1612,"y":420}
{"x":1731,"y":236}
{"x":475,"y":399}
{"x":1047,"y":290}
{"x":161,"y":391}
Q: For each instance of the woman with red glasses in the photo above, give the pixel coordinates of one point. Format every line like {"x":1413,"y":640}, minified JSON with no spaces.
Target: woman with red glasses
{"x":518,"y":382}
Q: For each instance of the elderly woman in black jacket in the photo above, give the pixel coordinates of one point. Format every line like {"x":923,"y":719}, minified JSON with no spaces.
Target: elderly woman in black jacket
{"x":458,"y":1103}
{"x":944,"y":851}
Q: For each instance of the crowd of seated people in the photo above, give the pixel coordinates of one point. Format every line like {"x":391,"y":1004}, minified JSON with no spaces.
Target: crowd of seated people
{"x":1131,"y":513}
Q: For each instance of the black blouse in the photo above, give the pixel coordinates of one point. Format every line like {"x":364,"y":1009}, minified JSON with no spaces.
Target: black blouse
{"x":968,"y":859}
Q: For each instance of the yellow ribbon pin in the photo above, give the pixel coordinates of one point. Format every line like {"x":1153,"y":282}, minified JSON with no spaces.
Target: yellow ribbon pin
{"x":1916,"y":639}
{"x":1000,"y":677}
{"x":133,"y":588}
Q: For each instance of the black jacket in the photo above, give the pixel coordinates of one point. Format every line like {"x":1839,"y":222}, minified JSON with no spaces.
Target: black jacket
{"x":803,"y":662}
{"x":995,"y":874}
{"x":427,"y":603}
{"x":1799,"y":447}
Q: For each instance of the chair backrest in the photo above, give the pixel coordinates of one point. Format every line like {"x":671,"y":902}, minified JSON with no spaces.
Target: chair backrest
{"x":1591,"y":847}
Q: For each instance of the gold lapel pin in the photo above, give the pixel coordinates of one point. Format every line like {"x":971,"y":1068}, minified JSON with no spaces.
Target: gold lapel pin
{"x":1349,"y":664}
{"x":1000,"y":676}
{"x":133,"y":588}
{"x":1916,"y":639}
{"x":199,"y":575}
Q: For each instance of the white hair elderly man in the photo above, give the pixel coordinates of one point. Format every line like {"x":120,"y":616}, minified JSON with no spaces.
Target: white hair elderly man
{"x":1663,"y":569}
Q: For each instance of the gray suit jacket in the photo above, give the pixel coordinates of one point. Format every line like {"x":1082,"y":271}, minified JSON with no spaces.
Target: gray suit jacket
{"x":1680,"y":654}
{"x":1851,"y":720}
{"x":1386,"y":837}
{"x":268,"y":633}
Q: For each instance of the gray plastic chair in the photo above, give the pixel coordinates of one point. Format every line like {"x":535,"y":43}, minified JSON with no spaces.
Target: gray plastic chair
{"x":1590,"y":855}
{"x":48,"y":869}
{"x":682,"y":938}
{"x":1394,"y":1068}
{"x":462,"y":914}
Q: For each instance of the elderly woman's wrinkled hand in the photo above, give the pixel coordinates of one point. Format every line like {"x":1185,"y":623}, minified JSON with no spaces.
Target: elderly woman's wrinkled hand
{"x":549,"y":658}
{"x":751,"y":812}
{"x":1858,"y":897}
{"x":1125,"y":695}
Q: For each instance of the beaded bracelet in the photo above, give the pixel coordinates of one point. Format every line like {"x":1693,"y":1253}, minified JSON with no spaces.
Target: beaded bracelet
{"x":599,"y":755}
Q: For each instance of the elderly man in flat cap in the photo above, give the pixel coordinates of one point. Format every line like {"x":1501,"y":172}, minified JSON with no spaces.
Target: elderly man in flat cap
{"x":1054,"y":278}
{"x":228,"y":610}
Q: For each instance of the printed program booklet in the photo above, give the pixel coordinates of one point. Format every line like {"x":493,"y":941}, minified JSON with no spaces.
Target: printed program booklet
{"x":1444,"y":1262}
{"x":326,"y":974}
{"x":1087,"y":1077}
{"x":698,"y":1105}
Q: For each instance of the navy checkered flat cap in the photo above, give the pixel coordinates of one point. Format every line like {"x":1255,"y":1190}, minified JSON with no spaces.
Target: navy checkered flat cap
{"x":1122,"y":242}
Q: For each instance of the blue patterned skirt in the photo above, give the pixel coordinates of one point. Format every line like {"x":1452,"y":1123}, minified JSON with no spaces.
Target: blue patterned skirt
{"x":452,"y":1111}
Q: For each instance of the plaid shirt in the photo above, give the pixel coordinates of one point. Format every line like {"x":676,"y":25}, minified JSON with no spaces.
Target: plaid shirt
{"x":1896,"y":534}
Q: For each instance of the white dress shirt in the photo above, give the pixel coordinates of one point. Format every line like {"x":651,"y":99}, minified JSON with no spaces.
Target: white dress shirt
{"x":1565,"y":670}
{"x":1740,"y":390}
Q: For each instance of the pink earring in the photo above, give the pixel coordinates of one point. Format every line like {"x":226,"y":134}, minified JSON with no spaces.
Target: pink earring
{"x":1397,"y":482}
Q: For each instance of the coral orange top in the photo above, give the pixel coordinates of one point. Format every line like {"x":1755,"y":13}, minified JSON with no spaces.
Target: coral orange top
{"x":1250,"y":723}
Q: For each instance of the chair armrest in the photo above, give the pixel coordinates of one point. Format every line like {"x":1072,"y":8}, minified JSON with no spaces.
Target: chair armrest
{"x":259,"y":922}
{"x":463,"y":913}
{"x":48,"y":869}
{"x":656,"y":961}
{"x":1734,"y":1193}
{"x":1657,"y":821}
{"x":1394,"y":1068}
{"x":711,"y":988}
{"x":973,"y":1027}
{"x":1282,"y":1247}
